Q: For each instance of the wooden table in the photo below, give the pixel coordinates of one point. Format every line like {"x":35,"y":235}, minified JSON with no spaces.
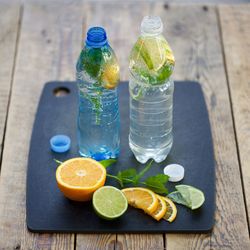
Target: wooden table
{"x":39,"y":43}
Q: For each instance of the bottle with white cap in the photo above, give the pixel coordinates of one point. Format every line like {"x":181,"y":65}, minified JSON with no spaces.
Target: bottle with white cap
{"x":151,"y":93}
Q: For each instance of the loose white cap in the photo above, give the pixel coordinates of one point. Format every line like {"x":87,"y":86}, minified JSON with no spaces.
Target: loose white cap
{"x":175,"y":172}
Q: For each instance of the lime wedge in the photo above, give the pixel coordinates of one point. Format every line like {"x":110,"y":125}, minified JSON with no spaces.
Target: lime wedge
{"x":193,"y":196}
{"x":109,"y":202}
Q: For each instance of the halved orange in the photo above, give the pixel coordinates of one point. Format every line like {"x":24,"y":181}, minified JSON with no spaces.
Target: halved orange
{"x":79,"y":178}
{"x":161,"y":209}
{"x":141,"y":198}
{"x":171,"y":212}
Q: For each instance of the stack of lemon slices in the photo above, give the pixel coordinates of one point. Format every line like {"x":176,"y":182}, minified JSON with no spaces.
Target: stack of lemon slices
{"x":157,"y":206}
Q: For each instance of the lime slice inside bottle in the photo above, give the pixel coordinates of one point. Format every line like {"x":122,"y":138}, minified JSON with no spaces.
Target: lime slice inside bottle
{"x":193,"y":196}
{"x":155,"y":52}
{"x":109,"y":202}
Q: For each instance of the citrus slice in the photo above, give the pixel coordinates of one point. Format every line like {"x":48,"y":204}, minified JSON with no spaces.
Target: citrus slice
{"x":110,"y":76}
{"x":141,"y":198}
{"x":79,"y":178}
{"x":155,"y":52}
{"x":161,"y":209}
{"x":171,"y":210}
{"x":109,"y":202}
{"x":193,"y":196}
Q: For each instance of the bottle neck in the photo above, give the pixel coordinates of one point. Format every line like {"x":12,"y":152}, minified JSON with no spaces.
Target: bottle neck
{"x":151,"y":26}
{"x":96,"y":37}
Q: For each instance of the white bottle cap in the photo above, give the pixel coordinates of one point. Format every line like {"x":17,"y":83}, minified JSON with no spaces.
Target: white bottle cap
{"x":175,"y":172}
{"x":151,"y":25}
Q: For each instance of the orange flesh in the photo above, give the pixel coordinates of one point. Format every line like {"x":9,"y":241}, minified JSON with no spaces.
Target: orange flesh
{"x":139,"y":198}
{"x":81,"y":174}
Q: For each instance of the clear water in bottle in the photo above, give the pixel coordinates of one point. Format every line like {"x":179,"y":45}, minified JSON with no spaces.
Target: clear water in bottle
{"x":151,"y":93}
{"x":97,"y":74}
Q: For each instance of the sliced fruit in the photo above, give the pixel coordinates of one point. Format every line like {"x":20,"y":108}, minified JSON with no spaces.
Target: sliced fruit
{"x":110,"y":76}
{"x":109,"y":202}
{"x":161,"y":209}
{"x":79,"y":178}
{"x":193,"y":196}
{"x":155,"y":52}
{"x":171,"y":212}
{"x":141,"y":198}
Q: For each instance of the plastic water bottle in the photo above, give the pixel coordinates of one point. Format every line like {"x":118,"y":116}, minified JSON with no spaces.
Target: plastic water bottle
{"x":97,"y":73}
{"x":151,"y":93}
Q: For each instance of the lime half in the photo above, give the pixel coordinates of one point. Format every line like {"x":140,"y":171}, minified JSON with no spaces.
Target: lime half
{"x":109,"y":202}
{"x":193,"y":196}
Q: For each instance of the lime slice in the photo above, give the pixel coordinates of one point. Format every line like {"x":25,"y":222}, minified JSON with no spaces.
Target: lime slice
{"x":193,"y":196}
{"x":109,"y":202}
{"x":155,"y":52}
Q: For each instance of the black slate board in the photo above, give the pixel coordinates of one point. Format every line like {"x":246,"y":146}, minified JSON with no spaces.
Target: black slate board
{"x":48,"y":210}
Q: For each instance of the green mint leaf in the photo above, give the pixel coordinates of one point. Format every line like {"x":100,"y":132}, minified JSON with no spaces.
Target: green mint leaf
{"x":161,"y":178}
{"x":127,"y":175}
{"x":178,"y":198}
{"x":157,"y":183}
{"x":107,"y":163}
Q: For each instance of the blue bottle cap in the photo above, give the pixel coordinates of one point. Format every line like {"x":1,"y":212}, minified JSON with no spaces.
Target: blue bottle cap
{"x":96,"y":37}
{"x":60,"y":143}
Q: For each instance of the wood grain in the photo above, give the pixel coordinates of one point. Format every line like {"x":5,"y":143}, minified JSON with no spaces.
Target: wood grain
{"x":95,"y":241}
{"x":194,"y":35}
{"x":48,"y":49}
{"x":9,"y":18}
{"x":235,"y":26}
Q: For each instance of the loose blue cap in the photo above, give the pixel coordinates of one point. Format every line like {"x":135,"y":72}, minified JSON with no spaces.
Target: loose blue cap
{"x":96,"y":37}
{"x":60,"y":143}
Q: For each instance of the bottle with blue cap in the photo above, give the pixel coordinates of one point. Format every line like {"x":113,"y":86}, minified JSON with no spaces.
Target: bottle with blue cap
{"x":97,"y":74}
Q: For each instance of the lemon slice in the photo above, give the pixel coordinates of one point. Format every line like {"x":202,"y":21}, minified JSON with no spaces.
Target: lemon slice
{"x":161,"y":209}
{"x":171,"y":212}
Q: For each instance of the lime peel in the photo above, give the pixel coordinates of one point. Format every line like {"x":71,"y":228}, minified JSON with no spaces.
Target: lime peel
{"x":188,"y":196}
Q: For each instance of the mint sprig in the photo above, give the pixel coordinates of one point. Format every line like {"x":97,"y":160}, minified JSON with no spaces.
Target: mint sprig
{"x":130,"y":176}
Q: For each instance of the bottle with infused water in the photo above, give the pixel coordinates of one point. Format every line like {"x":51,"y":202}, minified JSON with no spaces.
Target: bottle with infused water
{"x":151,"y":93}
{"x":97,"y":74}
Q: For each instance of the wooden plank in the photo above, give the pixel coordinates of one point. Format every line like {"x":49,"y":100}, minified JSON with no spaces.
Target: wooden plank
{"x":95,"y":241}
{"x":140,"y":241}
{"x":9,"y":18}
{"x":122,"y":30}
{"x":48,"y":49}
{"x":235,"y":27}
{"x":194,"y":35}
